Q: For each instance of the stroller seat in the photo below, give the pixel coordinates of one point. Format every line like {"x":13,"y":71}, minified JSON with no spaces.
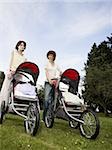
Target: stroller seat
{"x":25,"y":91}
{"x":22,"y":96}
{"x":69,"y":98}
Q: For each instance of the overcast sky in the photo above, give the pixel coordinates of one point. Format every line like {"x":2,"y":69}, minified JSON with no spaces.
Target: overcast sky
{"x":70,"y":27}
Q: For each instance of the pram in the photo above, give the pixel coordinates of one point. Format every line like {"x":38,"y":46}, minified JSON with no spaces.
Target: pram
{"x":68,"y":105}
{"x":23,"y":97}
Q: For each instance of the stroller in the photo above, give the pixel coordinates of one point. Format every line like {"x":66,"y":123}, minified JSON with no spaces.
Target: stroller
{"x":68,"y":105}
{"x":23,"y":97}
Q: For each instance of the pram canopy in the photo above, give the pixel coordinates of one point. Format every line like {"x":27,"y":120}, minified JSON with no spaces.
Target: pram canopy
{"x":30,"y":68}
{"x":71,"y":77}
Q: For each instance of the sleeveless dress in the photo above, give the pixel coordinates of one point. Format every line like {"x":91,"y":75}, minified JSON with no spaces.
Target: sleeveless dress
{"x":16,"y":60}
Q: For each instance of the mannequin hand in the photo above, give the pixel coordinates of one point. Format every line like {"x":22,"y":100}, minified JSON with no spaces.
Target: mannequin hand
{"x":10,"y":74}
{"x":53,"y":82}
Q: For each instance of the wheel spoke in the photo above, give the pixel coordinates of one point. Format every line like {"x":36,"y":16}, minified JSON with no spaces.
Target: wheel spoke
{"x":49,"y":118}
{"x":32,"y":121}
{"x":90,"y":128}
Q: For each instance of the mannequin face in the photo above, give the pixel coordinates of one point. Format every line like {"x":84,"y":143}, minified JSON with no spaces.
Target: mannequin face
{"x":21,"y":47}
{"x":51,"y":58}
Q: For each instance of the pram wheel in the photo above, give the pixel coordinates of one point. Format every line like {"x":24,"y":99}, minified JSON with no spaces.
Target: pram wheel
{"x":91,"y":126}
{"x":73,"y":124}
{"x":2,"y":111}
{"x":33,"y":120}
{"x":49,"y":117}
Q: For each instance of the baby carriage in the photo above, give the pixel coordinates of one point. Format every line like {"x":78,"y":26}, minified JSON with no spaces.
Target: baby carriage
{"x":23,"y":97}
{"x":68,"y":105}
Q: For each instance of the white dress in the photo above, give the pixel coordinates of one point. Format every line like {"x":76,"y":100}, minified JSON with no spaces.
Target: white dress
{"x":53,"y":70}
{"x":16,"y":60}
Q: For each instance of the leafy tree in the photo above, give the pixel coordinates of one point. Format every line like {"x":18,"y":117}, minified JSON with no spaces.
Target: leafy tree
{"x":98,"y":78}
{"x":41,"y":96}
{"x":109,"y":42}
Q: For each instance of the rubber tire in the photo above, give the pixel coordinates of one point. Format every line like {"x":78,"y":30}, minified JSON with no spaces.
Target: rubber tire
{"x":2,"y":111}
{"x":81,"y":127}
{"x":1,"y":117}
{"x":49,"y":113}
{"x":37,"y":120}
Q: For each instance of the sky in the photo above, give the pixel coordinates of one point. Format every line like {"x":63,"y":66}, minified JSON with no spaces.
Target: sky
{"x":70,"y":27}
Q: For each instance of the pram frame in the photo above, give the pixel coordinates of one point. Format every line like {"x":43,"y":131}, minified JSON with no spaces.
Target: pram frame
{"x":33,"y":102}
{"x":52,"y":109}
{"x":56,"y":93}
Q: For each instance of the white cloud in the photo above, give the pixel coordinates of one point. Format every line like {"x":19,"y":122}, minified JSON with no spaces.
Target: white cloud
{"x":71,"y":61}
{"x":32,"y":1}
{"x":51,"y":25}
{"x":88,"y":23}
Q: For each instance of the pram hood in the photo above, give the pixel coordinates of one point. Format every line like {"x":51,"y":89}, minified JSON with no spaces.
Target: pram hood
{"x":71,"y":74}
{"x":71,"y":77}
{"x":30,"y":68}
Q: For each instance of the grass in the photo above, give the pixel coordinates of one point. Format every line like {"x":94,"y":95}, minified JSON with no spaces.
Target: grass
{"x":60,"y":137}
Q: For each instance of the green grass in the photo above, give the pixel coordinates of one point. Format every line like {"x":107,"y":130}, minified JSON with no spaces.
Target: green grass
{"x":60,"y":137}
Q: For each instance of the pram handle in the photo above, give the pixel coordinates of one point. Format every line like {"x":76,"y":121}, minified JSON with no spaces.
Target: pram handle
{"x":55,"y":82}
{"x":55,"y":79}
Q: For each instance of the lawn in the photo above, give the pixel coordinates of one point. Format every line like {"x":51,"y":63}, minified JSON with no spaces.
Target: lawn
{"x":60,"y":137}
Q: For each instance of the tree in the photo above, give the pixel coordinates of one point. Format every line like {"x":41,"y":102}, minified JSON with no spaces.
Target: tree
{"x":98,"y":78}
{"x":109,"y":42}
{"x":41,"y":96}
